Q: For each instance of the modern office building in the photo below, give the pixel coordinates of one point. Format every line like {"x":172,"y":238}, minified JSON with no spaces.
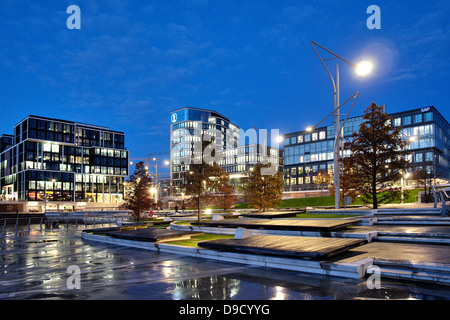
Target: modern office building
{"x":64,"y":160}
{"x":189,"y":125}
{"x":308,"y":152}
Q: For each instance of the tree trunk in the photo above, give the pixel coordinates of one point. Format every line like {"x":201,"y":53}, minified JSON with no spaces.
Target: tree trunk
{"x":264,"y":194}
{"x":199,"y":212}
{"x":374,"y":190}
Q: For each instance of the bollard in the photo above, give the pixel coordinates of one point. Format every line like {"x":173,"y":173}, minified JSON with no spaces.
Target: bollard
{"x":29,"y":224}
{"x":40,"y":225}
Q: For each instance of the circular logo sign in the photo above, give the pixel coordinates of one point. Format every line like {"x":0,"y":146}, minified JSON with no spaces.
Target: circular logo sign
{"x":174,"y":117}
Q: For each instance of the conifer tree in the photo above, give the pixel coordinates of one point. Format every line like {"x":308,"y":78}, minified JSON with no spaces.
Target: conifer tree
{"x":141,"y":199}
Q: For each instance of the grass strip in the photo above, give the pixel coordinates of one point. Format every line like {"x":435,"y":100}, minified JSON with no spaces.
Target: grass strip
{"x":193,"y":242}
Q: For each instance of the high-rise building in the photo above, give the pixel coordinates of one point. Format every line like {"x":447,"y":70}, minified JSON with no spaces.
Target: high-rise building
{"x":308,"y":152}
{"x":62,"y":160}
{"x":188,"y":128}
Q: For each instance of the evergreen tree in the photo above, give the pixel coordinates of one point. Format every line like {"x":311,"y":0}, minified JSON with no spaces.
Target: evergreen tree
{"x":141,"y":199}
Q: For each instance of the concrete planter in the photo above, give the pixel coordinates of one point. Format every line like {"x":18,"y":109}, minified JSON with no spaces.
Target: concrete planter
{"x":355,"y":270}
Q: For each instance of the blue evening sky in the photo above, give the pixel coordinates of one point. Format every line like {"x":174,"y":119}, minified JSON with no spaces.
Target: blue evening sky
{"x":133,"y":62}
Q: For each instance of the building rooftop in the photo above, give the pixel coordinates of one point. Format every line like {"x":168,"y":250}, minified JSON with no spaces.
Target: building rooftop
{"x":78,"y":124}
{"x":214,"y":113}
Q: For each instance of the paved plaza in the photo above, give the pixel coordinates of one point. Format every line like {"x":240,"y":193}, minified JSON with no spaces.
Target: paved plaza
{"x":34,"y":266}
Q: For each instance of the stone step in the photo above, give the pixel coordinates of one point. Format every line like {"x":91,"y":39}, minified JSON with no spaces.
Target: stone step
{"x":430,"y":211}
{"x":417,"y":218}
{"x":415,"y":234}
{"x":414,"y":239}
{"x":414,"y":275}
{"x":356,"y":212}
{"x":441,"y":268}
{"x":436,"y":273}
{"x":421,"y":222}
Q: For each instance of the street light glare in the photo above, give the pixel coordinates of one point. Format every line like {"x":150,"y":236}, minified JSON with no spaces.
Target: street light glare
{"x":309,"y":129}
{"x":364,"y":68}
{"x":279,"y":139}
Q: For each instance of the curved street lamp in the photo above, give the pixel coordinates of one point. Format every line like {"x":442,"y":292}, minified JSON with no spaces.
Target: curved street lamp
{"x":362,"y":69}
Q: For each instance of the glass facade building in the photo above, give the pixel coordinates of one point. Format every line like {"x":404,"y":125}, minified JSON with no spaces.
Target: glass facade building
{"x":187,"y":127}
{"x":67,"y":161}
{"x":308,"y":152}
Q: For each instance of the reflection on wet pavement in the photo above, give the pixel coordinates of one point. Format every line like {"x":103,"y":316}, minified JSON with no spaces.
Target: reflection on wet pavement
{"x":33,"y":265}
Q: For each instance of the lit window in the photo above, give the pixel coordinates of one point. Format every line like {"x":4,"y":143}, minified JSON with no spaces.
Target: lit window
{"x":47,"y":147}
{"x":428,"y":156}
{"x":419,"y":157}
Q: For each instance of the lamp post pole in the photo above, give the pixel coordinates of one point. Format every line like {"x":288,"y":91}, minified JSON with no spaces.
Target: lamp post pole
{"x":45,"y":197}
{"x":402,"y":182}
{"x":337,"y":185}
{"x":156,"y":183}
{"x":361,"y":70}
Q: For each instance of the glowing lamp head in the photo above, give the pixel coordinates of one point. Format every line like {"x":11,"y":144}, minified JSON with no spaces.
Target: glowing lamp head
{"x":364,"y":68}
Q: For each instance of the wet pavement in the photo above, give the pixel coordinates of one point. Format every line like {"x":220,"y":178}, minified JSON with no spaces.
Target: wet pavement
{"x":34,"y":265}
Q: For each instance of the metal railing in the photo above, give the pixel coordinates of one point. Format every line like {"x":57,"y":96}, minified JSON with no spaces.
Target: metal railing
{"x":55,"y":219}
{"x":440,"y":195}
{"x":19,"y":221}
